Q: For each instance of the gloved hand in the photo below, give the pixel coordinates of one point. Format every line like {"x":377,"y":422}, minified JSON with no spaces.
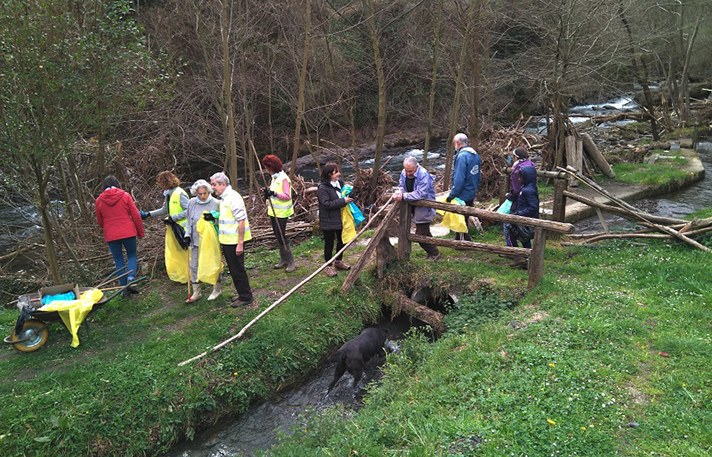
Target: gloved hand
{"x":186,"y":239}
{"x":143,"y":214}
{"x":268,"y":193}
{"x":509,"y":197}
{"x":208,"y":217}
{"x":167,"y":220}
{"x":448,"y":199}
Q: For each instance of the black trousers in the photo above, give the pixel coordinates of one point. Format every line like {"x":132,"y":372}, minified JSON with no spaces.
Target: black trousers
{"x":236,"y":265}
{"x":424,"y":230}
{"x":279,"y":227}
{"x":465,"y":236}
{"x":329,"y":236}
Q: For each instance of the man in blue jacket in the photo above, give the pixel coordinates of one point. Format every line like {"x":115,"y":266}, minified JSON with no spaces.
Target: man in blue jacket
{"x":417,"y":184}
{"x":465,"y":175}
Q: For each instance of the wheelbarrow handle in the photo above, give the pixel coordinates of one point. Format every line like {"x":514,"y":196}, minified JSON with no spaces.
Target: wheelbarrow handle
{"x":123,"y":288}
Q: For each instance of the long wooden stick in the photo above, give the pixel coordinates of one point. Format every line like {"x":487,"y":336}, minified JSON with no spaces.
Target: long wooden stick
{"x":285,"y":296}
{"x":592,"y":184}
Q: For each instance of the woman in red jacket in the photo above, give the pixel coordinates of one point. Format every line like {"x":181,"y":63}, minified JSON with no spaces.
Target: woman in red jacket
{"x":117,"y":215}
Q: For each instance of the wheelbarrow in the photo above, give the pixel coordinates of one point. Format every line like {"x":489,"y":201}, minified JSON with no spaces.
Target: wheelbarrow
{"x":32,"y":328}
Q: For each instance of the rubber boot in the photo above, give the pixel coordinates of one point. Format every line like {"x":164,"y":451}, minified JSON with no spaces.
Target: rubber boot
{"x":215,"y":293}
{"x":289,"y":258}
{"x":282,"y":259}
{"x":196,"y":293}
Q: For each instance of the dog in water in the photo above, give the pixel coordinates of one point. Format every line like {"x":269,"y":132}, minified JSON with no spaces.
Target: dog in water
{"x":354,"y":354}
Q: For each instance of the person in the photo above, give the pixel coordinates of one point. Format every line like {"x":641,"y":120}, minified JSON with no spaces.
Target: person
{"x":118,"y":217}
{"x":465,"y":175}
{"x":416,"y":183}
{"x":201,"y":202}
{"x":330,"y":204}
{"x":279,"y":208}
{"x":521,"y":157}
{"x":233,"y":232}
{"x":528,"y":206}
{"x":175,"y":205}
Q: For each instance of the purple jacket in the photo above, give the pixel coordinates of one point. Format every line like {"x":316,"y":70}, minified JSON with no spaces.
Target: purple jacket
{"x":423,"y":189}
{"x":516,"y":179}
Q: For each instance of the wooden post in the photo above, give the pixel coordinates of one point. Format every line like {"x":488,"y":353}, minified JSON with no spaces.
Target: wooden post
{"x":404,"y":231}
{"x":559,"y":209}
{"x":573,"y":158}
{"x":536,"y":259}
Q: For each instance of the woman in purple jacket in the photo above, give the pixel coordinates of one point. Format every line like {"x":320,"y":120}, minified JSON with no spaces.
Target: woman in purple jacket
{"x":515,"y":181}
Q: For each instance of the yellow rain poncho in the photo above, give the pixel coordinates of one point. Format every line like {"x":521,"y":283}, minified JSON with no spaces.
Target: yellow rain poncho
{"x":176,"y":259}
{"x":209,"y":258}
{"x":453,"y":221}
{"x":73,"y":312}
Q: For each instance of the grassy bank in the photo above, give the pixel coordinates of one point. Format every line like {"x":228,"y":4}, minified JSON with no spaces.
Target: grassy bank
{"x":612,"y":354}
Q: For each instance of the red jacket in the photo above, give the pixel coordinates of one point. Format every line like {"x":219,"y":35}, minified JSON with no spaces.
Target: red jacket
{"x":116,"y":213}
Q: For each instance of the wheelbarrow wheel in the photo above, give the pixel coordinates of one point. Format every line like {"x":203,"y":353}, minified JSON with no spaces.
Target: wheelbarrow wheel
{"x":34,"y":335}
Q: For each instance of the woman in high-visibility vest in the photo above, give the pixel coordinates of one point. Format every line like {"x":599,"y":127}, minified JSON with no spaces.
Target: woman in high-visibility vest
{"x":175,"y":206}
{"x":279,"y":207}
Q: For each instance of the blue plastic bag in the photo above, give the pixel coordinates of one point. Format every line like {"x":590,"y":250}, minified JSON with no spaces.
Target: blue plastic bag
{"x":355,"y":211}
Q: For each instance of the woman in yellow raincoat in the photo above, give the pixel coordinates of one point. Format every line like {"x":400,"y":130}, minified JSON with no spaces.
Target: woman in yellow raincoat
{"x":205,"y":257}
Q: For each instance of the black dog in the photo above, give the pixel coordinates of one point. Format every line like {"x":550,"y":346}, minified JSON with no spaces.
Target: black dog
{"x":354,"y":354}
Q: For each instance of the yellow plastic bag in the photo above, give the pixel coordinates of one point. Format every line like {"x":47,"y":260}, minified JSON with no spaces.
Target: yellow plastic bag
{"x":176,"y":259}
{"x":453,"y":221}
{"x":348,"y":232}
{"x":209,"y":258}
{"x":73,"y":312}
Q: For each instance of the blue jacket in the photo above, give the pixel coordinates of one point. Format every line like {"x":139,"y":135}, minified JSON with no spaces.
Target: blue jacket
{"x":528,"y":200}
{"x":423,"y":189}
{"x":466,"y":174}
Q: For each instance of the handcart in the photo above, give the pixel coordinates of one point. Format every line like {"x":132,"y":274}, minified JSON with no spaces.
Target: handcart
{"x":32,"y":328}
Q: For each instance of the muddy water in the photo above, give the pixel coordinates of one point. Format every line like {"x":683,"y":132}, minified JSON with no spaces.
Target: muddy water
{"x":678,"y":204}
{"x":256,"y":431}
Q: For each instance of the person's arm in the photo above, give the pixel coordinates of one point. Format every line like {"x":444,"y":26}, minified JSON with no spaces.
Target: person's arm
{"x":240,"y":237}
{"x":286,"y":193}
{"x":325,"y":198}
{"x":458,"y":180}
{"x":189,"y":213}
{"x":135,"y":216}
{"x":162,"y":211}
{"x":99,"y":216}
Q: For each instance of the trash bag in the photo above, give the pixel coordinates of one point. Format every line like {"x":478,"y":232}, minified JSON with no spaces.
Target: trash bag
{"x":179,"y":233}
{"x":348,"y":231}
{"x":177,"y":259}
{"x":453,"y":221}
{"x":73,"y":312}
{"x":209,"y":257}
{"x":356,"y":213}
{"x":505,"y":207}
{"x":523,"y":233}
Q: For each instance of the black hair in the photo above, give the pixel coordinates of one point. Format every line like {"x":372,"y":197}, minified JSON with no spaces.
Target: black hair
{"x":111,"y":181}
{"x":328,"y":169}
{"x":521,"y":153}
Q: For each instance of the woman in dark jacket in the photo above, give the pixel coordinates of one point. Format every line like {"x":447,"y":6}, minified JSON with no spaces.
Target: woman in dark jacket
{"x":330,"y":204}
{"x":117,"y":215}
{"x":527,"y":206}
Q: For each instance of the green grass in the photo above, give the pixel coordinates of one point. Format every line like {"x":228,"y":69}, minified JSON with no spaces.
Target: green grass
{"x":617,"y":334}
{"x":643,"y":173}
{"x":564,"y":368}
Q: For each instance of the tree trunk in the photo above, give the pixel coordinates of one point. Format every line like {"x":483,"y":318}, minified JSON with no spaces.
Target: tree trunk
{"x":381,"y":77}
{"x":433,"y":82}
{"x":231,"y":147}
{"x":42,"y":177}
{"x":302,"y":85}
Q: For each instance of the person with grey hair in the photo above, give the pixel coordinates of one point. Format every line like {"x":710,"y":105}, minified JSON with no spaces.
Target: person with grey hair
{"x":465,"y":175}
{"x":416,"y":183}
{"x":233,"y":232}
{"x":201,"y":203}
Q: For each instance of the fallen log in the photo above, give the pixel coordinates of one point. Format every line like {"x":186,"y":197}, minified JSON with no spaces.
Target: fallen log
{"x":593,"y":185}
{"x":415,"y":309}
{"x":506,"y":251}
{"x":590,"y":148}
{"x":621,"y":212}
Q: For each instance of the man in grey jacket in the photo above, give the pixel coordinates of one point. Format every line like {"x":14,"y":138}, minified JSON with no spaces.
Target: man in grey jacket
{"x":417,"y":184}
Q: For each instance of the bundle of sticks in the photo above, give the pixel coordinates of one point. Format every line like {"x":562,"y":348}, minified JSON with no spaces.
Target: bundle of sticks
{"x":670,"y":228}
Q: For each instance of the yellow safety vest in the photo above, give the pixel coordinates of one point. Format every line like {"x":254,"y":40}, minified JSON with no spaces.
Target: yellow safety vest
{"x":174,"y":205}
{"x":283,"y":208}
{"x":228,"y":225}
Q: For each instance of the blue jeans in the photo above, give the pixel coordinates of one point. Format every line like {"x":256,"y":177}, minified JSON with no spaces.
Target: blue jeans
{"x":116,"y":247}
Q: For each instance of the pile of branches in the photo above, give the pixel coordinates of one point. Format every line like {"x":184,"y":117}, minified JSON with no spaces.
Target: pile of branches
{"x":666,"y":228}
